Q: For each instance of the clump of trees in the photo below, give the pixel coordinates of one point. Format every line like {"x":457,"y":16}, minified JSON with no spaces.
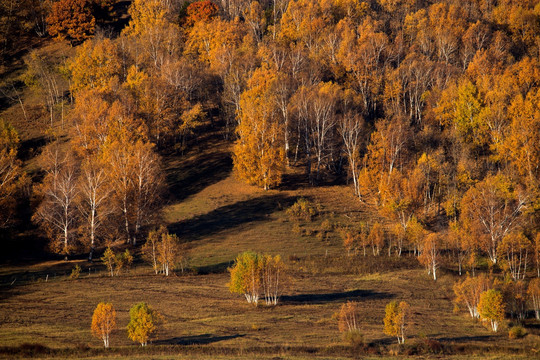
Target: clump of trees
{"x":255,"y":276}
{"x":468,"y":292}
{"x":163,"y":251}
{"x":143,"y":322}
{"x":116,"y":262}
{"x":395,"y":318}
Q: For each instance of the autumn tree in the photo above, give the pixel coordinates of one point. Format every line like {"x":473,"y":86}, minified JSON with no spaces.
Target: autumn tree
{"x":348,"y":241}
{"x":534,"y":295}
{"x":457,"y":243}
{"x":115,"y":262}
{"x":514,"y":253}
{"x":143,"y":323}
{"x":109,"y":260}
{"x":12,"y":177}
{"x":150,"y":247}
{"x":376,"y":238}
{"x":430,"y":254}
{"x":200,"y":11}
{"x":273,"y":278}
{"x":246,"y":276}
{"x":394,"y":320}
{"x":44,"y":74}
{"x":386,"y":151}
{"x":133,"y":170}
{"x":491,"y":308}
{"x":362,"y":53}
{"x":57,"y":212}
{"x":96,"y":65}
{"x":348,"y":318}
{"x":490,"y":211}
{"x":258,"y":155}
{"x":104,"y":322}
{"x":351,"y":128}
{"x":93,"y":202}
{"x":468,"y":292}
{"x":514,"y":296}
{"x":71,"y":20}
{"x":168,"y":252}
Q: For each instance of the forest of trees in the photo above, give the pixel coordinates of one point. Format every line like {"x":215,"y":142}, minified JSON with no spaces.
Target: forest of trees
{"x":430,"y":110}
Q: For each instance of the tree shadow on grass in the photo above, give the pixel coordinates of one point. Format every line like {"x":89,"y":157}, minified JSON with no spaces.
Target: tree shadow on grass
{"x":354,"y":295}
{"x":468,"y":338}
{"x":218,"y":268}
{"x":197,"y":339}
{"x":230,"y":216}
{"x":193,"y":176}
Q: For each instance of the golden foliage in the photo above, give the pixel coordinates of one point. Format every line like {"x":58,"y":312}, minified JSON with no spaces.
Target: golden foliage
{"x":103,"y":322}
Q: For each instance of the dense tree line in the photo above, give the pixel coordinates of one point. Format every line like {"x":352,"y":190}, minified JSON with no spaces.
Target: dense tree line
{"x":429,"y":108}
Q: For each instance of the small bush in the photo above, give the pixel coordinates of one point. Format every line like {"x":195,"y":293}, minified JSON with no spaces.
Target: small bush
{"x":516,"y":332}
{"x":76,"y":272}
{"x":432,"y":346}
{"x":302,"y":209}
{"x":354,"y":338}
{"x":327,"y":225}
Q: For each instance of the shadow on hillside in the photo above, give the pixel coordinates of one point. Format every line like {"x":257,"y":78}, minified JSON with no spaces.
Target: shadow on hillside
{"x":196,"y":339}
{"x":468,"y":338}
{"x":195,"y":175}
{"x":218,"y":268}
{"x":230,"y":216}
{"x":354,"y":295}
{"x":31,"y":147}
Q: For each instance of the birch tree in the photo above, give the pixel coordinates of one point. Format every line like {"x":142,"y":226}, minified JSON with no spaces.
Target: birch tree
{"x":272,"y":278}
{"x":94,"y":203}
{"x":491,"y":308}
{"x":395,"y":320}
{"x":534,"y":295}
{"x":351,"y":128}
{"x":430,"y":254}
{"x":57,"y":213}
{"x":468,"y":292}
{"x":104,"y":322}
{"x":490,"y":211}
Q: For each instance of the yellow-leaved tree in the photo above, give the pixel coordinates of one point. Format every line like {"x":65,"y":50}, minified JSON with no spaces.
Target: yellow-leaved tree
{"x":104,"y":322}
{"x":259,"y":155}
{"x":143,"y":322}
{"x":468,"y":292}
{"x":491,"y":308}
{"x":246,"y":276}
{"x":429,"y":256}
{"x":490,"y":211}
{"x":394,"y":320}
{"x":255,"y":275}
{"x":12,"y":177}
